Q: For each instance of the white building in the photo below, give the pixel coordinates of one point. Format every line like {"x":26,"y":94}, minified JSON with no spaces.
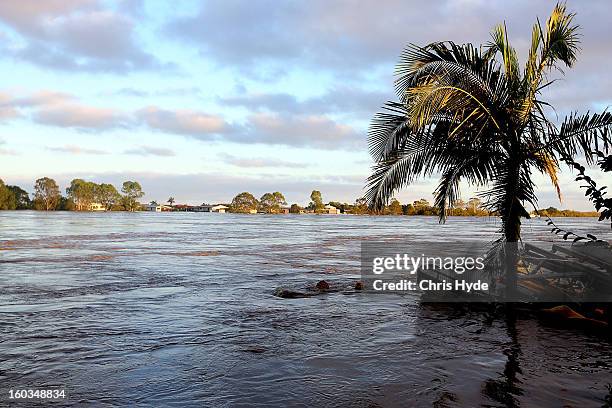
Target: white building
{"x":330,"y":209}
{"x":154,"y":207}
{"x":218,"y":208}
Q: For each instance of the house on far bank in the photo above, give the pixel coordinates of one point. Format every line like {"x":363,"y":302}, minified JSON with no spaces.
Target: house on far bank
{"x":96,"y":207}
{"x":218,"y":208}
{"x":154,"y":207}
{"x":330,"y":209}
{"x":253,"y":211}
{"x":182,"y":207}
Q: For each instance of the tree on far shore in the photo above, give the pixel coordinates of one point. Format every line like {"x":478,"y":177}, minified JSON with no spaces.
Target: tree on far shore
{"x":22,"y":198}
{"x":46,"y":194}
{"x":272,"y":202}
{"x":395,"y":208}
{"x":65,"y":204}
{"x":107,"y":195}
{"x":82,"y":193}
{"x":7,"y":198}
{"x":132,"y":191}
{"x":244,"y":203}
{"x":474,"y":204}
{"x":295,"y":209}
{"x":360,"y":207}
{"x":316,"y":201}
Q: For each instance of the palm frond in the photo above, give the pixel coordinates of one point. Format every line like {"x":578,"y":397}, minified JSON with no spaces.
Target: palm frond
{"x":433,"y":99}
{"x":388,"y":130}
{"x":582,"y":133}
{"x":501,"y":44}
{"x":418,"y":65}
{"x":475,"y":167}
{"x":531,"y":65}
{"x":559,"y":42}
{"x":562,"y":39}
{"x":393,"y":173}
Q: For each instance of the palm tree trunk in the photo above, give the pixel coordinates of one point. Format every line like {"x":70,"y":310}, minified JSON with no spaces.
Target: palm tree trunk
{"x":512,"y":231}
{"x":512,"y":222}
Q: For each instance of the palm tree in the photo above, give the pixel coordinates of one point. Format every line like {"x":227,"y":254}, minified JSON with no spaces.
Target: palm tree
{"x":469,"y":117}
{"x":171,"y":201}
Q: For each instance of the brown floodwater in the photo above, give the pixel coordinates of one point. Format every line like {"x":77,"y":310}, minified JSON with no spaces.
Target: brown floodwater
{"x":178,"y":309}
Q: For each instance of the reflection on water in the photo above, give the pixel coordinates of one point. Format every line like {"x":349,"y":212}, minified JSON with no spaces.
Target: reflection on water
{"x":161,"y":309}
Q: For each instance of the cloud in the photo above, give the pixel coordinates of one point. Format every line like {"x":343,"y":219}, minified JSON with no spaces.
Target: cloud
{"x":334,"y":36}
{"x":351,"y":43}
{"x":340,"y":99}
{"x":150,"y":151}
{"x":75,"y":35}
{"x":263,"y":128}
{"x":60,"y":109}
{"x":73,"y":149}
{"x":315,"y":131}
{"x":184,"y":122}
{"x":43,"y":98}
{"x":27,"y":15}
{"x":79,"y":116}
{"x":259,"y":162}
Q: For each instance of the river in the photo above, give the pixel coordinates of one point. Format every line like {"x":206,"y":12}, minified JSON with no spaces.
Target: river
{"x":178,"y":309}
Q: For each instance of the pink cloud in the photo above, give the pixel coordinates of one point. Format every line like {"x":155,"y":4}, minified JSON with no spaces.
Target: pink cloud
{"x":185,"y":122}
{"x":73,"y":149}
{"x":78,"y":116}
{"x":302,"y":130}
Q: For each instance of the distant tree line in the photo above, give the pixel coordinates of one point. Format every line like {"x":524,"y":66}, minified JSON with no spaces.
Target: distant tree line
{"x":81,"y":195}
{"x":246,"y":202}
{"x":473,"y":207}
{"x":84,"y":195}
{"x":554,"y":212}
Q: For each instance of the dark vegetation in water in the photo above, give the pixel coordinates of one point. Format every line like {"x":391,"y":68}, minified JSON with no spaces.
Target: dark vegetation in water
{"x":320,"y":288}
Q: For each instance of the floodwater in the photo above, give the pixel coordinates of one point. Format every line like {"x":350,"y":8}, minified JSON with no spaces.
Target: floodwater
{"x":177,"y":309}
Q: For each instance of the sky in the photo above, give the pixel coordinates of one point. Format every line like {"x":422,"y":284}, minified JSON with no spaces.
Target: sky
{"x":201,"y":100}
